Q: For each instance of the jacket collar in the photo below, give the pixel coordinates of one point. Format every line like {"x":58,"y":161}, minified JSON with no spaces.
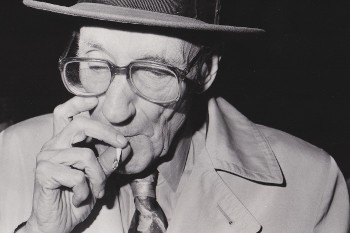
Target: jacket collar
{"x":236,"y":145}
{"x":231,"y":144}
{"x":217,"y":208}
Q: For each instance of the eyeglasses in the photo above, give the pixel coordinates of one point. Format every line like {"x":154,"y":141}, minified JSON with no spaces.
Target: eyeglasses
{"x":153,"y":81}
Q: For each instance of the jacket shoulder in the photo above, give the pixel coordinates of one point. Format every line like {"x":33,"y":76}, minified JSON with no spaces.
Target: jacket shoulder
{"x":298,"y":159}
{"x":293,"y":148}
{"x":31,"y":133}
{"x":313,"y":176}
{"x":19,"y":146}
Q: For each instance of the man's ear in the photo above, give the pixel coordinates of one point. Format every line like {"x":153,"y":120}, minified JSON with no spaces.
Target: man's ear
{"x":208,"y":73}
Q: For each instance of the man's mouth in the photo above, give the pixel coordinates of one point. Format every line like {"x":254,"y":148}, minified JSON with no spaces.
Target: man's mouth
{"x":137,"y":143}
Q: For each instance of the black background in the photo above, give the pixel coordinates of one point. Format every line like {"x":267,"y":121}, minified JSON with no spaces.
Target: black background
{"x":295,"y":78}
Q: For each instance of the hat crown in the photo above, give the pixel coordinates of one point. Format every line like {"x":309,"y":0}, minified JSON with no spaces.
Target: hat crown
{"x":204,"y":10}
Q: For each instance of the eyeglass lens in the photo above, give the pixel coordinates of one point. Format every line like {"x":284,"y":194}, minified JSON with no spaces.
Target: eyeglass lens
{"x":151,"y":81}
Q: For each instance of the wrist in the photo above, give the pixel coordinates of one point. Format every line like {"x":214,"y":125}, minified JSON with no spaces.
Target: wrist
{"x":27,"y":227}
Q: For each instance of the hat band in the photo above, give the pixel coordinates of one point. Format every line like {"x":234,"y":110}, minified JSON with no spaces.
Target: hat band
{"x":204,"y":10}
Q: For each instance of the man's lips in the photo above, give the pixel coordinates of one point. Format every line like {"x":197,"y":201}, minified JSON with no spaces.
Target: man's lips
{"x":125,"y":152}
{"x":135,"y":143}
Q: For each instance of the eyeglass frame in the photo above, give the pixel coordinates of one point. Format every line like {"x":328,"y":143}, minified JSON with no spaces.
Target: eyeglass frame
{"x":114,"y":70}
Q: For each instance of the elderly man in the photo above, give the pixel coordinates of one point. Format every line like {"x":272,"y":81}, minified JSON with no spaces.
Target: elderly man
{"x":131,"y":152}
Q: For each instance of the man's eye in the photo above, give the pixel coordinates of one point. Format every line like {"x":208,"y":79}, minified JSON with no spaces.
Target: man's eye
{"x":154,"y":74}
{"x":98,"y":68}
{"x":153,"y":79}
{"x":94,"y":66}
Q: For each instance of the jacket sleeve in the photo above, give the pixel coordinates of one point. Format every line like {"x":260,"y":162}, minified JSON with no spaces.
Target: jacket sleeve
{"x":16,"y":180}
{"x":333,"y":214}
{"x":19,"y":145}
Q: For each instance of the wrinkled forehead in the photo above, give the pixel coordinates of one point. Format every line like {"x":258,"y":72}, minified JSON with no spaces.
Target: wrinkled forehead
{"x":125,"y":46}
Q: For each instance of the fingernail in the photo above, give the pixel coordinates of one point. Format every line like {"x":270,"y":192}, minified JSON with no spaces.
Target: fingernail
{"x":122,"y":140}
{"x":101,"y":194}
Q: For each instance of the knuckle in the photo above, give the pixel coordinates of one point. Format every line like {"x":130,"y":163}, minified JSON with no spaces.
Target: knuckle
{"x":49,"y":144}
{"x":79,"y":122}
{"x":42,"y":167}
{"x":79,"y":178}
{"x":88,"y":155}
{"x":42,"y":172}
{"x":59,"y":109}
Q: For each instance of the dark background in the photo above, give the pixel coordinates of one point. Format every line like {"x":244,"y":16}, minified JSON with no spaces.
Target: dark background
{"x":295,"y":78}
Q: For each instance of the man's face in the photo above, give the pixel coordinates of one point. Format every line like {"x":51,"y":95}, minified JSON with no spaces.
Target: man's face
{"x":149,"y":127}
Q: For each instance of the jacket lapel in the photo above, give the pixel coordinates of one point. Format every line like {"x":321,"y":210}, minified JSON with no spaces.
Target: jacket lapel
{"x":207,"y":205}
{"x":237,"y":146}
{"x":232,"y":144}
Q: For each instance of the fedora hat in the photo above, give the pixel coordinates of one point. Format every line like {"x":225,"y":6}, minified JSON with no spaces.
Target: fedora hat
{"x":196,"y":15}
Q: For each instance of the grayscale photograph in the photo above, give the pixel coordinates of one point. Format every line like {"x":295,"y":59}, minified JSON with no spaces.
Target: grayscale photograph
{"x":177,"y":116}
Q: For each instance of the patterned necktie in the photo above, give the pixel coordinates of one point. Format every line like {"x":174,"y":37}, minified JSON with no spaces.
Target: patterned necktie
{"x":149,"y":216}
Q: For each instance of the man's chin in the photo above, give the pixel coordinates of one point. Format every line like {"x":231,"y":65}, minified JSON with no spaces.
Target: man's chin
{"x":136,"y":164}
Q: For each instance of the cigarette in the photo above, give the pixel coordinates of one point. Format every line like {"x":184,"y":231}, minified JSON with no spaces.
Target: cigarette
{"x":118,"y":153}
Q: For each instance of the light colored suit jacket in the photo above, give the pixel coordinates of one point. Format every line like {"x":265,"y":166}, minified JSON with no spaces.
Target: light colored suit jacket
{"x":246,"y":178}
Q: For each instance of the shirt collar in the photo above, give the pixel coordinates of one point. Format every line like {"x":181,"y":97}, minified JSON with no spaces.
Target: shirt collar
{"x":172,"y":170}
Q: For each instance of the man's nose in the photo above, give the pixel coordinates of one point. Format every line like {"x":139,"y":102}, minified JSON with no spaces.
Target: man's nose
{"x":118,"y":105}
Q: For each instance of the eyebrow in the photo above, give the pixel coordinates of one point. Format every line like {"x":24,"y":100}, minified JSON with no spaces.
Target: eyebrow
{"x":176,"y":62}
{"x":93,"y":45}
{"x":171,"y":62}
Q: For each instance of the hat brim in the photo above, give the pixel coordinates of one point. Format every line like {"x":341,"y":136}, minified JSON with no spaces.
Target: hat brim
{"x":136,"y":16}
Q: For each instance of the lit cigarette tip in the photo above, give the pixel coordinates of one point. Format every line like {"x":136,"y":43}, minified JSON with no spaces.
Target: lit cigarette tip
{"x":118,"y":153}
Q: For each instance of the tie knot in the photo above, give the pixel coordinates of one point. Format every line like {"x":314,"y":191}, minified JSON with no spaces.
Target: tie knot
{"x":145,"y":187}
{"x":149,"y":216}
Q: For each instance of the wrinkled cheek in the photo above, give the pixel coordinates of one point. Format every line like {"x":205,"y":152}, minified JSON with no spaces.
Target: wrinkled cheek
{"x":141,"y":147}
{"x":167,"y":130}
{"x":161,"y":138}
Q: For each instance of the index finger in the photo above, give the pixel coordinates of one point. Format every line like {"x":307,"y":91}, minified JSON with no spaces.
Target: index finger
{"x":81,"y":128}
{"x":63,"y":113}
